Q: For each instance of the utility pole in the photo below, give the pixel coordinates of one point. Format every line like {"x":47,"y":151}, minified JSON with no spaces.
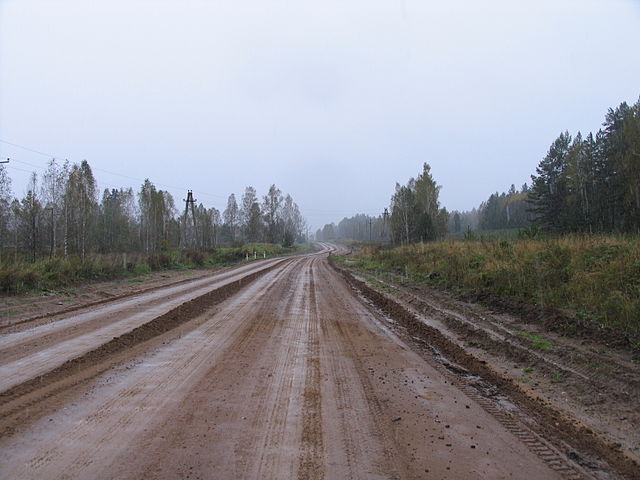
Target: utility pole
{"x":370,"y":229}
{"x":190,"y":201}
{"x":385,"y":215}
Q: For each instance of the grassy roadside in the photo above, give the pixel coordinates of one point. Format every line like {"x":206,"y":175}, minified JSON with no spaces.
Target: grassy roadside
{"x":593,"y":279}
{"x":62,"y":272}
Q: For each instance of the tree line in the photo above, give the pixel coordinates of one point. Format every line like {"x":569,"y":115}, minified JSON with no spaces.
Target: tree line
{"x":586,"y":184}
{"x":61,"y":215}
{"x":414,"y":215}
{"x":592,"y":183}
{"x":365,"y":228}
{"x":507,"y":210}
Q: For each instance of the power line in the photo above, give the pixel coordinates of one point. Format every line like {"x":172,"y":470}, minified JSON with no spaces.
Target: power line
{"x":49,"y":155}
{"x":27,"y":163}
{"x":26,"y":148}
{"x":13,"y":167}
{"x":173,"y":187}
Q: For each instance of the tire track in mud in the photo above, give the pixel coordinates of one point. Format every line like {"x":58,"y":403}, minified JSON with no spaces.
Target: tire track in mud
{"x":19,"y":325}
{"x":268,"y":356}
{"x":586,"y":372}
{"x":102,"y":301}
{"x":278,"y":401}
{"x":375,"y":420}
{"x":249,"y":340}
{"x":500,"y":340}
{"x":93,"y":362}
{"x":60,"y":334}
{"x":273,"y":383}
{"x":142,"y":399}
{"x":554,"y":423}
{"x":311,"y":457}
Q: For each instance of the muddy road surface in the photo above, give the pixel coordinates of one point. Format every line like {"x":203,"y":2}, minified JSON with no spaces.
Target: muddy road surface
{"x":276,"y":369}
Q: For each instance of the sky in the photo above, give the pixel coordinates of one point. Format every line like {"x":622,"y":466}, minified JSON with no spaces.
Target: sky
{"x":333,"y":101}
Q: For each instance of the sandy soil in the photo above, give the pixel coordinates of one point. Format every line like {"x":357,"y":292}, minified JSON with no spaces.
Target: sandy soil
{"x":272,"y":370}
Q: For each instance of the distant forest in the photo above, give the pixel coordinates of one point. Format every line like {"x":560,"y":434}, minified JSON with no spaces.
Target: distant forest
{"x":61,"y":215}
{"x":587,"y":184}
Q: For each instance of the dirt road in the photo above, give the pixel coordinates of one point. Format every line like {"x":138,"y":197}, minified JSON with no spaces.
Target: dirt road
{"x":288,"y":375}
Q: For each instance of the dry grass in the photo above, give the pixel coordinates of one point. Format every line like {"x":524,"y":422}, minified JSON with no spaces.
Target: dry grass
{"x":595,"y":277}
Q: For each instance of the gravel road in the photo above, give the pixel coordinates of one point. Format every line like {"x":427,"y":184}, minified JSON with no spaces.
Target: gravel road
{"x":290,"y":374}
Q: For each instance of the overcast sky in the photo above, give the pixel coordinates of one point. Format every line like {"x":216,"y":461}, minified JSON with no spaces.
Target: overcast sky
{"x":333,"y":101}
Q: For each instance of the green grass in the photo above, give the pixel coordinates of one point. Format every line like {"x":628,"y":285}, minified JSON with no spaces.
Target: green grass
{"x":338,"y":259}
{"x":536,"y":341}
{"x":596,"y":278}
{"x":378,"y":285}
{"x":57,"y":273}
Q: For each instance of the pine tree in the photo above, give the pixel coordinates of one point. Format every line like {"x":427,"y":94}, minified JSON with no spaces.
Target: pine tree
{"x":549,"y":187}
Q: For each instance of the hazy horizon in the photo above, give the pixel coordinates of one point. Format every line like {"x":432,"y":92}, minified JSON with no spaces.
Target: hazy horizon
{"x":333,"y":103}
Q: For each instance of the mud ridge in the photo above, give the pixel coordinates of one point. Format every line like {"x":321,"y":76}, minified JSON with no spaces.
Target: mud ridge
{"x":516,"y":348}
{"x":553,"y":422}
{"x":556,"y":320}
{"x":102,"y":301}
{"x":158,"y":326}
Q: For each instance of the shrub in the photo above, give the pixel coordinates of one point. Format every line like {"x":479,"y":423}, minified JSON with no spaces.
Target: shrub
{"x":194,"y":257}
{"x":141,"y":268}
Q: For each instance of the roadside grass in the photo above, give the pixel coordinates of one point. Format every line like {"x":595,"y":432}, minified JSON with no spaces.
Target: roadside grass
{"x":535,"y":341}
{"x":378,"y":285}
{"x":502,"y":234}
{"x":556,"y":377}
{"x":58,"y":273}
{"x":595,"y":278}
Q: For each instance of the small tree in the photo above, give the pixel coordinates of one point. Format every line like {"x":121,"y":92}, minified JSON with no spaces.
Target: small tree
{"x":231,"y":216}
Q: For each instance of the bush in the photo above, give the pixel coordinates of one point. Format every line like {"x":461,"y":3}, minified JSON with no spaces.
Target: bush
{"x":141,"y":268}
{"x":18,"y":278}
{"x":161,"y":261}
